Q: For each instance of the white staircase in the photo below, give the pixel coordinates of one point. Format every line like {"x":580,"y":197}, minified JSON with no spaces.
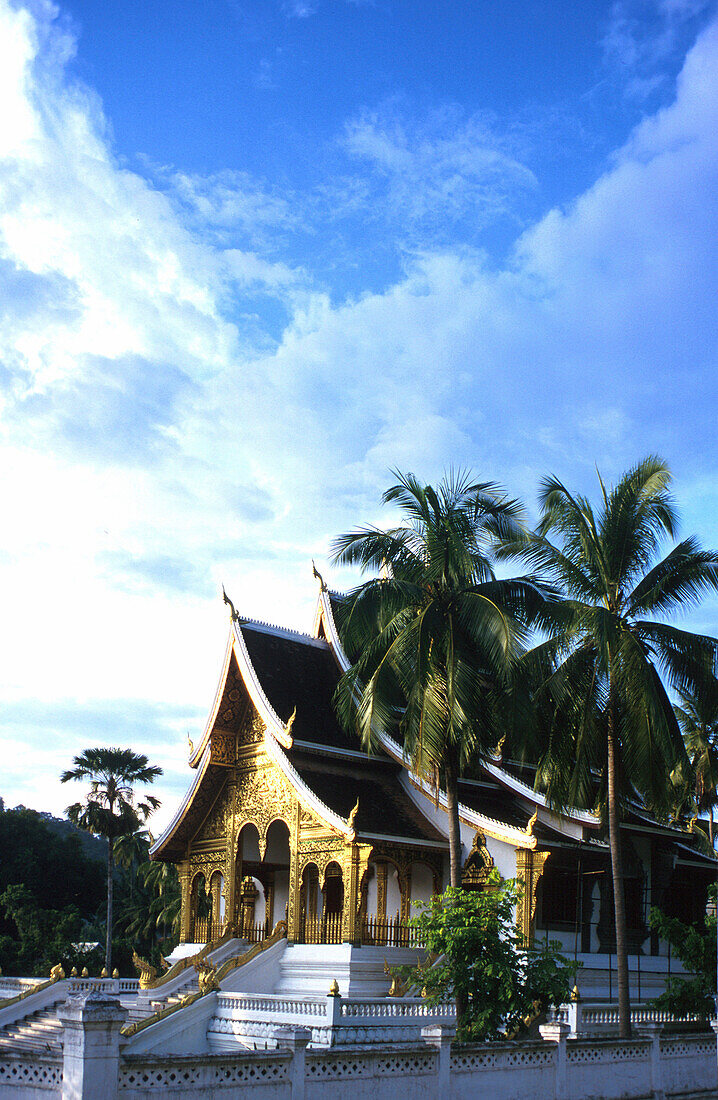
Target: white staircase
{"x":38,"y":1033}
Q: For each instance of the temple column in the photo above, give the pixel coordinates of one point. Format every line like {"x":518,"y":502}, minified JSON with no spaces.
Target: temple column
{"x":529,"y":868}
{"x":293,"y":906}
{"x":405,"y":886}
{"x":230,"y":860}
{"x":381,"y":879}
{"x":185,"y":916}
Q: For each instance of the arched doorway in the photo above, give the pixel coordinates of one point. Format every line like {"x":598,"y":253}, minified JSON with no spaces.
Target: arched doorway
{"x":276,"y":873}
{"x":333,"y":911}
{"x":262,"y":884}
{"x":311,"y":906}
{"x":383,"y":903}
{"x":216,"y":895}
{"x":200,"y":902}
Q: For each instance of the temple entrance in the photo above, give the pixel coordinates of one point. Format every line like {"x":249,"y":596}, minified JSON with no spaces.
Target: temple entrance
{"x":262,"y":884}
{"x":200,"y":910}
{"x":321,"y":910}
{"x":386,"y":902}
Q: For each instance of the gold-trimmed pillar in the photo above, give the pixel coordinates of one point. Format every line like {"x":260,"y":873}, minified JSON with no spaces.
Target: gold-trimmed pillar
{"x":293,"y":906}
{"x":529,"y":868}
{"x":185,"y":915}
{"x":382,"y":874}
{"x":230,"y":859}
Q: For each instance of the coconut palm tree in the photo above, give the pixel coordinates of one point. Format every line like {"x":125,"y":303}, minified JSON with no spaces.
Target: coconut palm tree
{"x":698,"y":718}
{"x":110,"y":808}
{"x":436,"y":633}
{"x":600,"y":695}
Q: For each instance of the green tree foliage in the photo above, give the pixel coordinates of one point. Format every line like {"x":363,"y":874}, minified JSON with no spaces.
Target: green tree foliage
{"x":482,"y":960}
{"x":697,"y":716}
{"x":60,"y":890}
{"x":149,"y":917}
{"x":695,"y":946}
{"x":599,"y":679}
{"x":436,"y":633}
{"x":110,"y":808}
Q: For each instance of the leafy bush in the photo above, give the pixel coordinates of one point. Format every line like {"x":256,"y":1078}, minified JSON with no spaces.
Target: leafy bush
{"x":500,"y":985}
{"x":695,"y":946}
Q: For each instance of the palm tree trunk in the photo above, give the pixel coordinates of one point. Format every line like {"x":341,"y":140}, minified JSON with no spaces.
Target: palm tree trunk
{"x":455,"y":861}
{"x":619,"y":901}
{"x":108,"y":940}
{"x":452,"y":804}
{"x":710,"y":824}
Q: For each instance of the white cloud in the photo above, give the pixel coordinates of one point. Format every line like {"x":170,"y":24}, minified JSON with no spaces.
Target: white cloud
{"x":143,"y":432}
{"x":446,"y":168}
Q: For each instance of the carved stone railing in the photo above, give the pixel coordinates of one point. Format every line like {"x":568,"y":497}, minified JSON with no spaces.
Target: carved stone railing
{"x":332,"y":1020}
{"x":585,"y":1018}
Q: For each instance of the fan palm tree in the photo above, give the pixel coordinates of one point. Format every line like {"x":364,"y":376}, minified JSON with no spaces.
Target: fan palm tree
{"x":698,"y":718}
{"x":605,"y":709}
{"x":110,"y":808}
{"x":436,"y":634}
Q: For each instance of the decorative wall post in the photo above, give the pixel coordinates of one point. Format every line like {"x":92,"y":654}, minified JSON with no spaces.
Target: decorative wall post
{"x":295,"y":1039}
{"x":183,"y":869}
{"x":653,"y":1031}
{"x":441,"y":1036}
{"x":558,"y":1033}
{"x":91,"y":1047}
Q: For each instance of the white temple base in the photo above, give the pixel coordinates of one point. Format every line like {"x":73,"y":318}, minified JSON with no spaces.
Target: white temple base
{"x":310,"y":968}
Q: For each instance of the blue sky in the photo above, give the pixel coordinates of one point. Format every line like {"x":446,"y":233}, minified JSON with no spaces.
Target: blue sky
{"x":254,"y":254}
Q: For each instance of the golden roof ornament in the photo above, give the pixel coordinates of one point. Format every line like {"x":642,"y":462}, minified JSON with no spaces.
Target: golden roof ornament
{"x":318,"y":576}
{"x":352,"y":814}
{"x":532,"y":821}
{"x":191,"y":744}
{"x":225,"y":597}
{"x":290,"y":722}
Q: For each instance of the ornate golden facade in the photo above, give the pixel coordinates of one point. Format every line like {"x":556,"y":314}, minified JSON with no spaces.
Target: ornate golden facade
{"x":288,"y":821}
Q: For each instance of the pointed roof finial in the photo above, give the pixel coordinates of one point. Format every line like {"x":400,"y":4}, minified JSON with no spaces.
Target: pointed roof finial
{"x":226,"y":599}
{"x":318,"y":576}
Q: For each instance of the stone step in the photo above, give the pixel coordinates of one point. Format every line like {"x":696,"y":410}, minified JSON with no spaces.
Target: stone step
{"x":40,"y":1031}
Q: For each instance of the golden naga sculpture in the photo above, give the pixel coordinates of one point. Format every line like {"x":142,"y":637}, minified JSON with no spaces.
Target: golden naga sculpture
{"x":208,"y":980}
{"x":57,"y":973}
{"x":146,"y":971}
{"x":398,"y":987}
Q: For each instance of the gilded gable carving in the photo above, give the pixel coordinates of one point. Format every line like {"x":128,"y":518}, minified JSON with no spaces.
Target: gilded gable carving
{"x":262,"y":796}
{"x":217,"y":823}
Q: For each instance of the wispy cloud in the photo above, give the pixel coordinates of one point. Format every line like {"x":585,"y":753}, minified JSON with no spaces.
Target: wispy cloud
{"x":641,"y":36}
{"x":444,"y":169}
